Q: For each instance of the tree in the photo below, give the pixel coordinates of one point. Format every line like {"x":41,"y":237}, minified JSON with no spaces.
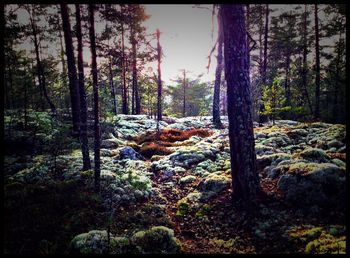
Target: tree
{"x":40,"y":68}
{"x":159,"y":81}
{"x":72,"y":72}
{"x":97,"y":132}
{"x":125,"y":108}
{"x":218,"y":71}
{"x":82,"y":95}
{"x":317,"y":67}
{"x":245,"y":179}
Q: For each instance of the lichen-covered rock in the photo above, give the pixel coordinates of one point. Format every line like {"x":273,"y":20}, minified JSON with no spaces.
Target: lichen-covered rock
{"x":313,"y":183}
{"x":214,"y":184}
{"x":129,"y":153}
{"x":156,"y":240}
{"x":261,"y":149}
{"x":93,"y":242}
{"x":187,"y":179}
{"x":314,"y":155}
{"x":272,"y":159}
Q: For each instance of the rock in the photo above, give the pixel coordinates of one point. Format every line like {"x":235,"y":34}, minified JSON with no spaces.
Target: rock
{"x":298,"y":132}
{"x":214,"y":184}
{"x":314,"y":183}
{"x":276,"y":141}
{"x":93,"y":242}
{"x":187,"y":179}
{"x":129,"y":153}
{"x":272,"y":159}
{"x":262,"y":149}
{"x":314,"y":155}
{"x":339,"y":163}
{"x":335,"y":144}
{"x":156,"y":240}
{"x":109,"y":143}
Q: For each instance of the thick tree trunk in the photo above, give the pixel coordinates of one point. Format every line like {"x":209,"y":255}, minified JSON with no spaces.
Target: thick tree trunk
{"x":64,"y":72}
{"x":218,"y":71}
{"x":317,"y":81}
{"x":159,"y":100}
{"x":82,"y":96}
{"x":245,"y":179}
{"x":96,"y":100}
{"x":72,"y":72}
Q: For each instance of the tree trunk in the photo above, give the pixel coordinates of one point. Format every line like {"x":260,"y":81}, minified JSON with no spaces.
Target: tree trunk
{"x":82,"y":96}
{"x":115,"y":108}
{"x":159,"y":100}
{"x":96,"y":100}
{"x":184,"y":97}
{"x":265,"y":42}
{"x":64,"y":72}
{"x":40,"y":69}
{"x":317,"y":82}
{"x":72,"y":72}
{"x":304,"y":70}
{"x":125,"y":104}
{"x":286,"y":82}
{"x":218,"y":71}
{"x":245,"y":179}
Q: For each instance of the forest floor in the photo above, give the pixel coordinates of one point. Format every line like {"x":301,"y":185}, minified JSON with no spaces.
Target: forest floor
{"x":170,"y":192}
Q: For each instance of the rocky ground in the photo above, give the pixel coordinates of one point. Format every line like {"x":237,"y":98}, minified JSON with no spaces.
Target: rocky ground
{"x":170,"y":193}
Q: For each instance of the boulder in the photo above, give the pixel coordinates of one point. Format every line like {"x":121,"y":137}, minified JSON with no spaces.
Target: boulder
{"x":129,"y":153}
{"x":314,"y":155}
{"x":314,"y":184}
{"x":187,"y":179}
{"x":156,"y":240}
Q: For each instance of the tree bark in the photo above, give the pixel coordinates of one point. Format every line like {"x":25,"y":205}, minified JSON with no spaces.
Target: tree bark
{"x":304,"y":70}
{"x":72,"y":72}
{"x":125,"y":104}
{"x":265,"y":42}
{"x":40,"y":69}
{"x":82,"y":96}
{"x":184,"y":93}
{"x":96,"y":100}
{"x":218,"y":71}
{"x":245,"y":179}
{"x":286,"y":81}
{"x":317,"y":81}
{"x":159,"y":100}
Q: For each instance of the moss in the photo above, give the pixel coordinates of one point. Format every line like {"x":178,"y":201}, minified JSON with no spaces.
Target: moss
{"x":156,"y":240}
{"x":182,"y":208}
{"x":314,"y":154}
{"x":306,"y":234}
{"x":326,"y":245}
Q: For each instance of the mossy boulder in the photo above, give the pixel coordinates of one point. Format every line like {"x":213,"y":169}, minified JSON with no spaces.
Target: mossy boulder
{"x":314,"y":184}
{"x":314,"y":155}
{"x":93,"y":242}
{"x":214,"y":184}
{"x":156,"y":240}
{"x":187,"y":179}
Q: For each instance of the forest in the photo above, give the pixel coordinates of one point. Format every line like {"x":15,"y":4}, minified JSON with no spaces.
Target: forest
{"x":174,"y":129}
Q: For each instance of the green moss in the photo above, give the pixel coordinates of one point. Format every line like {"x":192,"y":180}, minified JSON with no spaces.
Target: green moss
{"x":157,"y":239}
{"x":183,"y":208}
{"x":326,"y":245}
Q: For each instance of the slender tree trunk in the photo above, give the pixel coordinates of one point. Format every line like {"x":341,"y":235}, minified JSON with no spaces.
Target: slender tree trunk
{"x":40,"y":69}
{"x":72,"y":71}
{"x":184,"y":97}
{"x":96,"y":100}
{"x":159,"y":100}
{"x":82,"y":96}
{"x":64,"y":71}
{"x":265,"y":42}
{"x":335,"y":92}
{"x":317,"y":82}
{"x":304,"y":70}
{"x":115,"y":108}
{"x":286,"y":81}
{"x":245,"y":179}
{"x":218,"y":71}
{"x":125,"y":104}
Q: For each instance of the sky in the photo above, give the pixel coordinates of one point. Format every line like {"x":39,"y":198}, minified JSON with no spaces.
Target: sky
{"x":185,"y":38}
